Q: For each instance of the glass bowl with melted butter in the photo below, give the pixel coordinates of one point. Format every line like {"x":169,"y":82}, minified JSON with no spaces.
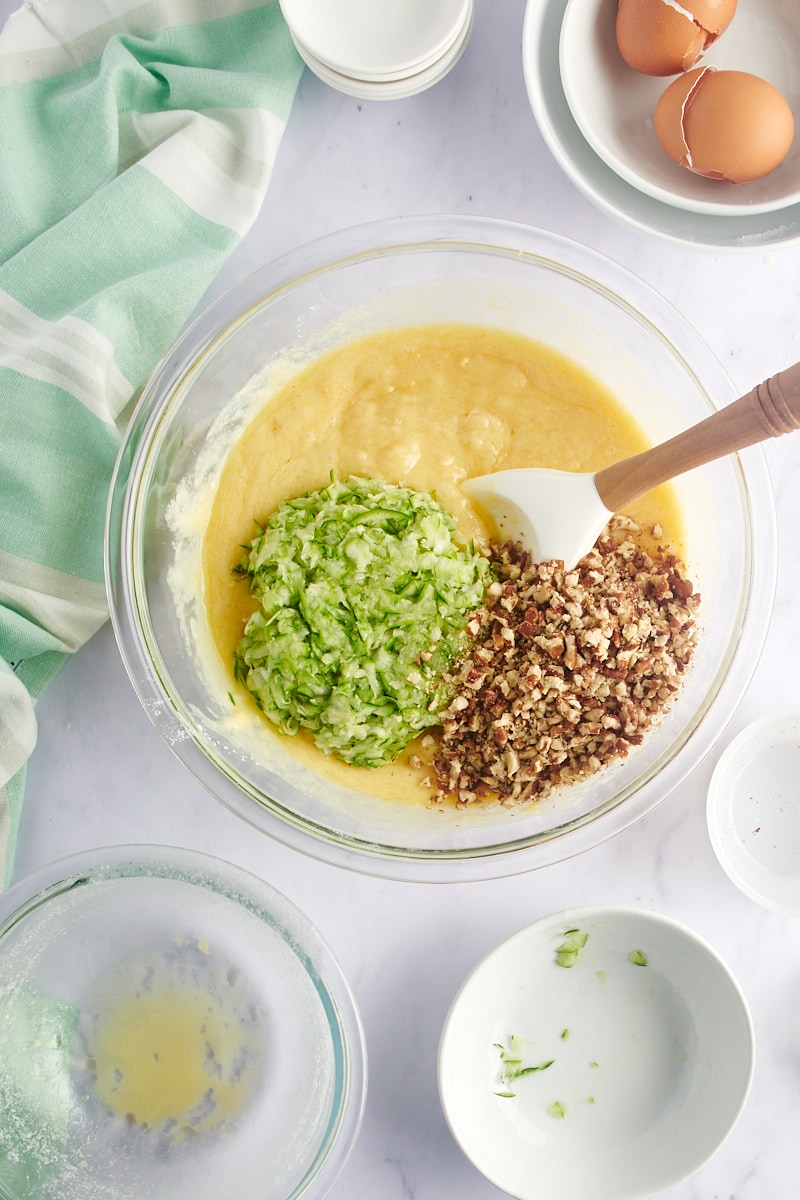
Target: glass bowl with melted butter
{"x":419,"y":352}
{"x":170,"y":1025}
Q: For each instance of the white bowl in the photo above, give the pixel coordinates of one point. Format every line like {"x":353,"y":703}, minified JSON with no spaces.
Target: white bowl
{"x":613,"y":105}
{"x":649,"y":1065}
{"x":374,"y":87}
{"x":390,"y":40}
{"x":603,"y":185}
{"x":753,"y":811}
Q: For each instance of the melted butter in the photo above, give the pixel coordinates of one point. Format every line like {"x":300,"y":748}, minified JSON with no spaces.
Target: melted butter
{"x":174,"y":1058}
{"x":426,"y":407}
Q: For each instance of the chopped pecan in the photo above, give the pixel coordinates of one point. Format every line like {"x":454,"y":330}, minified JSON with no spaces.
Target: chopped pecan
{"x":567,"y":670}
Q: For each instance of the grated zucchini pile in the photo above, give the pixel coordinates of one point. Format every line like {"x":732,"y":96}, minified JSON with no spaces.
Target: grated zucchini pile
{"x":363,"y":600}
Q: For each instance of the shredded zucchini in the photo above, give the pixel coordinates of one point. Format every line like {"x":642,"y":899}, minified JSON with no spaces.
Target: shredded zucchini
{"x":363,"y":599}
{"x":570,"y":949}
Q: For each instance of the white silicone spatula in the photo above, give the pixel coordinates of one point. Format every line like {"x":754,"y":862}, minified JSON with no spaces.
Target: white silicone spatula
{"x":560,"y":514}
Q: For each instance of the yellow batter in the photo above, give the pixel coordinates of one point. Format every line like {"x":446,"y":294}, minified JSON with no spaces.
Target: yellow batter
{"x":426,"y":407}
{"x":174,"y":1046}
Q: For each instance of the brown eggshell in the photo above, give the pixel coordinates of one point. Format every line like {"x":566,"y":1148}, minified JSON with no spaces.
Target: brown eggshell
{"x":657,"y":37}
{"x":713,"y":15}
{"x":668,"y":117}
{"x":724,"y":124}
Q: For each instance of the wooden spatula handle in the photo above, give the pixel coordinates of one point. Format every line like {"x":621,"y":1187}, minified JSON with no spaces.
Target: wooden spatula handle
{"x":769,"y":410}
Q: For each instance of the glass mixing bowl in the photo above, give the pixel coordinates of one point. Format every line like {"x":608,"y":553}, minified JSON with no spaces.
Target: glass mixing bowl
{"x":412,"y":271}
{"x":170,"y":1026}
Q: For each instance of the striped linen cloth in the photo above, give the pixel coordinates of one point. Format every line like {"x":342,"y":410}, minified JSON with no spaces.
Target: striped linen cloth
{"x":137,"y":138}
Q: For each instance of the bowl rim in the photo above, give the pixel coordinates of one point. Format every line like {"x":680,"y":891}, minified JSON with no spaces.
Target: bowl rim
{"x":268,"y":283}
{"x":579,"y":917}
{"x":266,"y":902}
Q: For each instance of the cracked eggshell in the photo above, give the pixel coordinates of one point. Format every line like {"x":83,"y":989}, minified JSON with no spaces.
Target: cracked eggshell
{"x":665,"y":37}
{"x":724,"y":124}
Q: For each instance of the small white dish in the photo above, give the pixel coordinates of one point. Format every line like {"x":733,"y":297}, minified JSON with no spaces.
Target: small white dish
{"x":363,"y":88}
{"x":615,"y":1077}
{"x":753,"y":811}
{"x":603,"y":186}
{"x":376,"y":42}
{"x":613,"y":105}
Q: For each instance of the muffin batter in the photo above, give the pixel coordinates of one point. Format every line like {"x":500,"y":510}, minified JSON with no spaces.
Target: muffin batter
{"x":426,"y":407}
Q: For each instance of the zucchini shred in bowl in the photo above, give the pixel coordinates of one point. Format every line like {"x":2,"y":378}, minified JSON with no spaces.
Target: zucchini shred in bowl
{"x":384,"y":277}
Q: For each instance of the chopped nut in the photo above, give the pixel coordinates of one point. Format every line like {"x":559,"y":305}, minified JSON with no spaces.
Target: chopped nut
{"x":567,"y":671}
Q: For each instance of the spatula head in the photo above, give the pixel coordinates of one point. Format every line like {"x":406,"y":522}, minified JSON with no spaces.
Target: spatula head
{"x":555,"y":514}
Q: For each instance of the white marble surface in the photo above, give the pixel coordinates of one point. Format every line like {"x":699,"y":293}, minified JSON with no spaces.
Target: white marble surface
{"x":100,"y":773}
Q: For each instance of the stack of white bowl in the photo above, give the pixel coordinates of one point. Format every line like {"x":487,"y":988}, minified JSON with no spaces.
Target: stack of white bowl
{"x":379,"y":49}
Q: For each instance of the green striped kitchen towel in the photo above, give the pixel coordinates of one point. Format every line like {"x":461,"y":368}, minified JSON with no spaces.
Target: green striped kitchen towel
{"x":137,"y":138}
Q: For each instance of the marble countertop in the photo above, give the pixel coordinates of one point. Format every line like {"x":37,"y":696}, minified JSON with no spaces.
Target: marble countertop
{"x":101,"y":774}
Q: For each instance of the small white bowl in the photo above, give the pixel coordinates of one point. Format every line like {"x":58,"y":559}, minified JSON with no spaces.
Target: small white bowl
{"x":380,"y":51}
{"x":753,"y":811}
{"x":613,"y":105}
{"x":610,"y":1078}
{"x":390,"y":87}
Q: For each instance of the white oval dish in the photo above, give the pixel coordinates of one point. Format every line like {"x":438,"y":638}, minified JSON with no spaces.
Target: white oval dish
{"x":753,"y":811}
{"x":605,"y":187}
{"x":612,"y":1078}
{"x":613,"y":105}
